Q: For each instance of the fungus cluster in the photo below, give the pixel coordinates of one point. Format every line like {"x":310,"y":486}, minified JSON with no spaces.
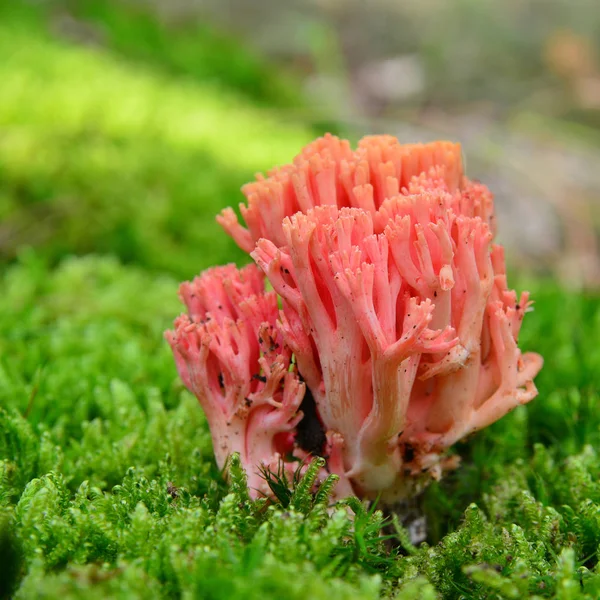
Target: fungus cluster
{"x":390,"y":332}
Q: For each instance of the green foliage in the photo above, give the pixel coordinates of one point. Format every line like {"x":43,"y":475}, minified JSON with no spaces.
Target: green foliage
{"x":129,"y":159}
{"x":518,"y":546}
{"x":108,"y":486}
{"x":87,"y":382}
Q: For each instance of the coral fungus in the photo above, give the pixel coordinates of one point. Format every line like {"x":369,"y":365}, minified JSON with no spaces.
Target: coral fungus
{"x":231,"y":355}
{"x":396,"y":334}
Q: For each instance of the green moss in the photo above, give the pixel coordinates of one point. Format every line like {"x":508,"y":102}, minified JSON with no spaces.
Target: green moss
{"x":109,"y":488}
{"x":101,"y":155}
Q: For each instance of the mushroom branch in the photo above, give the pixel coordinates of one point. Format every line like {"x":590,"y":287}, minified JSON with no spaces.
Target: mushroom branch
{"x":390,"y":317}
{"x":368,"y":333}
{"x":231,"y":356}
{"x":327,"y":172}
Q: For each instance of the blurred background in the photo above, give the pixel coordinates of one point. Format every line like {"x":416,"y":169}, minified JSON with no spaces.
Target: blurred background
{"x":125,"y":125}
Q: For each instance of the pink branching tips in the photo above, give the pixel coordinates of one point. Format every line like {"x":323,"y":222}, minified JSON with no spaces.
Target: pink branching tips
{"x":390,"y":321}
{"x":231,"y":356}
{"x":327,"y":172}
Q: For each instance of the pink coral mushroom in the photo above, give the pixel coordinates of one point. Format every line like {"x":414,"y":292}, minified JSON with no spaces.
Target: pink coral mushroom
{"x":397,"y":333}
{"x":232,"y":357}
